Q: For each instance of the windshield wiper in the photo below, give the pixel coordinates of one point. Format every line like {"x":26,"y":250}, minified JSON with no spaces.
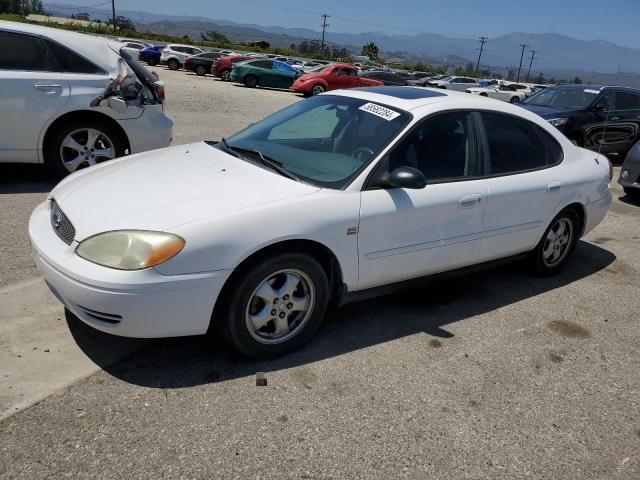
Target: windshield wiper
{"x":227,"y":148}
{"x":269,"y":162}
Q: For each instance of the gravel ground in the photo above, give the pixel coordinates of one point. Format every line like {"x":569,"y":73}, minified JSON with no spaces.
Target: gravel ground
{"x":497,"y":375}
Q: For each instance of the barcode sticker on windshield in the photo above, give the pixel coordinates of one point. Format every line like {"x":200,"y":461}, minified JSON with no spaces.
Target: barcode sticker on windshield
{"x":380,"y":111}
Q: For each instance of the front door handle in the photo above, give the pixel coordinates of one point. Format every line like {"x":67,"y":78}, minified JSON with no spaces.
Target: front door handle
{"x":48,"y":87}
{"x":470,"y":201}
{"x":614,"y":118}
{"x":554,"y":187}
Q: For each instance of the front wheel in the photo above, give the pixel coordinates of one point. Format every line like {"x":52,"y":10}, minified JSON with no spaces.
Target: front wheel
{"x":200,"y":70}
{"x":514,"y":100}
{"x":276,"y":306}
{"x":557,"y":244}
{"x":251,"y":81}
{"x":317,"y":89}
{"x":152,"y":62}
{"x":173,"y":64}
{"x":225,"y":75}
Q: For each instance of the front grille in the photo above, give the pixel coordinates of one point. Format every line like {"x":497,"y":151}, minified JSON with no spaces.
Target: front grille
{"x":61,"y":224}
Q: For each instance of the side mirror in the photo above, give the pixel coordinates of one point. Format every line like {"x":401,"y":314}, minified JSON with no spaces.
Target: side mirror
{"x":406,"y":177}
{"x":117,"y":104}
{"x":600,"y":107}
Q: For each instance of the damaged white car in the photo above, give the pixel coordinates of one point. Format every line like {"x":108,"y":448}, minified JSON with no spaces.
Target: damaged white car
{"x":72,"y":100}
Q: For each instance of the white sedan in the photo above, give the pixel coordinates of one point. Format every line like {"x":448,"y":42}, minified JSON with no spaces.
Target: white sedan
{"x":499,"y":92}
{"x":332,"y":199}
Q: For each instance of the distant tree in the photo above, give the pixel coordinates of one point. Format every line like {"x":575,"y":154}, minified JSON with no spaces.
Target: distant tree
{"x":293,"y":46}
{"x":309,"y":47}
{"x":338,"y":52}
{"x":81,"y":16}
{"x":540,"y":78}
{"x":470,"y":68}
{"x":485,"y":72}
{"x":511,"y":75}
{"x":371,"y":50}
{"x":213,"y":36}
{"x":123,"y":23}
{"x":577,"y":80}
{"x":17,"y":7}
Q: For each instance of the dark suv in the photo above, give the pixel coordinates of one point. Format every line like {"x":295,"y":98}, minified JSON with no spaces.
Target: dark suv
{"x":582,"y":111}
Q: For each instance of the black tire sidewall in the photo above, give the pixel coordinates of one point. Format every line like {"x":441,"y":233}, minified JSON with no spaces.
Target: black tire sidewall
{"x":536,"y":257}
{"x":152,"y":62}
{"x":232,"y":322}
{"x":225,"y":75}
{"x":173,"y":64}
{"x":250,"y":81}
{"x":201,"y":71}
{"x":52,"y":148}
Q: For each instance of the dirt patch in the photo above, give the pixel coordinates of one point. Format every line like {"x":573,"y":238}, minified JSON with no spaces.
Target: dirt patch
{"x":569,"y":329}
{"x":555,"y":357}
{"x":435,"y":343}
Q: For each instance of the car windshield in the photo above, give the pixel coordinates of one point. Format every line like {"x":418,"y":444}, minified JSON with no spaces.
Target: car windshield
{"x":563,"y":97}
{"x":326,"y":140}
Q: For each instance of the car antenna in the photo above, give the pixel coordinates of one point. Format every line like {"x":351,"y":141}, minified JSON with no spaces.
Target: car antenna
{"x":606,"y":119}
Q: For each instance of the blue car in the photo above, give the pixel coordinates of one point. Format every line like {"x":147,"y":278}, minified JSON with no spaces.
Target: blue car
{"x":151,"y":54}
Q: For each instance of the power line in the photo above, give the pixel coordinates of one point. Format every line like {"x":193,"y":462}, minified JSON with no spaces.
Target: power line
{"x":482,"y":41}
{"x":533,"y":53}
{"x":521,"y":57}
{"x":324,"y":27}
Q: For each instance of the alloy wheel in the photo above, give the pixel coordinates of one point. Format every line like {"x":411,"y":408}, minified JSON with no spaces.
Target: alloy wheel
{"x":280,"y":307}
{"x":317,"y":90}
{"x":558,"y":241}
{"x":85,"y":147}
{"x":226,"y":76}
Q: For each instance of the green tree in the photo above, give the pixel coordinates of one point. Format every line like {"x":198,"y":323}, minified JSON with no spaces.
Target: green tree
{"x":511,"y":75}
{"x":577,"y":80}
{"x":123,"y":23}
{"x":470,"y":68}
{"x":213,"y":36}
{"x":371,"y":50}
{"x":540,"y":78}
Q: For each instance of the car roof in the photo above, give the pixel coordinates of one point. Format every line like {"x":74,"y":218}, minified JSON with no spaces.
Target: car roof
{"x":410,"y":98}
{"x":101,"y":51}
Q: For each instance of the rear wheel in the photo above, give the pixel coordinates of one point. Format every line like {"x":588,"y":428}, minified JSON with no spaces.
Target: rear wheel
{"x":200,"y":70}
{"x":514,"y":100}
{"x":251,"y":81}
{"x":276,"y":306}
{"x":225,"y":75}
{"x":173,"y":64}
{"x":152,"y":62}
{"x":82,"y":143}
{"x":557,"y":244}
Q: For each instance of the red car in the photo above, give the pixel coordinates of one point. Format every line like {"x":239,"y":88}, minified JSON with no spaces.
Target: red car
{"x":222,"y":67}
{"x":332,"y":77}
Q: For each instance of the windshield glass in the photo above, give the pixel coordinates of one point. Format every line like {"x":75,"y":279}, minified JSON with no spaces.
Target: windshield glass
{"x":325,"y":140}
{"x":563,"y":97}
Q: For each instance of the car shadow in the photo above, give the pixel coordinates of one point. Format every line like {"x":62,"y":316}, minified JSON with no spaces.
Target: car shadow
{"x":635,"y":201}
{"x":189,"y":361}
{"x":285,"y":90}
{"x":25,"y":178}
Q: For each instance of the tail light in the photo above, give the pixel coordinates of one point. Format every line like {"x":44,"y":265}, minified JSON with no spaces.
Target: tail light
{"x":159,"y":89}
{"x":186,"y":59}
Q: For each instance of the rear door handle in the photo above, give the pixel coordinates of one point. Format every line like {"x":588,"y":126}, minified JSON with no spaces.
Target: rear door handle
{"x":554,"y":187}
{"x":615,"y":118}
{"x":470,"y":201}
{"x":48,"y":87}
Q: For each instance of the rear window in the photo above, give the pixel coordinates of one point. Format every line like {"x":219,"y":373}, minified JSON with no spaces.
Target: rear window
{"x":71,"y":62}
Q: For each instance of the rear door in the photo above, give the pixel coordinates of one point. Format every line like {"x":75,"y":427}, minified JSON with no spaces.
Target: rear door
{"x":524,"y":182}
{"x":627,"y":118}
{"x":31,"y":92}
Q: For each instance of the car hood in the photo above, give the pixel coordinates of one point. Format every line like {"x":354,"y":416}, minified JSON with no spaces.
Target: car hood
{"x":548,"y":112}
{"x":165,"y":188}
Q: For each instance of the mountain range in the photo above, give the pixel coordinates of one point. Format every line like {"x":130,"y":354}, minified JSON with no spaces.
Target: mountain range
{"x":554,"y":52}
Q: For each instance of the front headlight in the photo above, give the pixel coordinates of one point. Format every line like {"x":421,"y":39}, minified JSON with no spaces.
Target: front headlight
{"x":130,"y":249}
{"x":558,"y":122}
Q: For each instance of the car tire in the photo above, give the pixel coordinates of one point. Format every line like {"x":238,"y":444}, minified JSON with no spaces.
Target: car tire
{"x":251,"y":81}
{"x":514,"y":100}
{"x":632,"y":193}
{"x":483,"y":94}
{"x":225,"y":75}
{"x":318,"y":89}
{"x":556,"y":245}
{"x":152,"y":62}
{"x":201,"y":71}
{"x":64,"y":151}
{"x":173,"y":64}
{"x":263,"y":298}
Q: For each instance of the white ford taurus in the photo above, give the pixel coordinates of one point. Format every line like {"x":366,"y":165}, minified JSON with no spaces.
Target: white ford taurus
{"x":322,"y":202}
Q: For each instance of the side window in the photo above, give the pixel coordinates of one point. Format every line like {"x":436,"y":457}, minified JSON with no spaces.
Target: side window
{"x":268,"y":64}
{"x":606,"y":101}
{"x":515,"y":145}
{"x":135,"y":46}
{"x":71,"y":62}
{"x":24,"y":52}
{"x":627,"y":101}
{"x":443,"y":147}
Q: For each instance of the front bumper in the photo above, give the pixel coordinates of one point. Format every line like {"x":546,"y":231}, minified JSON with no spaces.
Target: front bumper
{"x":144,"y":304}
{"x":630,"y":175}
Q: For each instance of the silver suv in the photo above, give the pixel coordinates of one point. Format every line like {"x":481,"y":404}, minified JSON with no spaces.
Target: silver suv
{"x":173,"y":55}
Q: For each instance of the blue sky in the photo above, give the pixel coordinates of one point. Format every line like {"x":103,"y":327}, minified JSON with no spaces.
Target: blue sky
{"x":617,"y":21}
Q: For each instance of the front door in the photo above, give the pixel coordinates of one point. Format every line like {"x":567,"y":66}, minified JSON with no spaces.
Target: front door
{"x":408,"y":233}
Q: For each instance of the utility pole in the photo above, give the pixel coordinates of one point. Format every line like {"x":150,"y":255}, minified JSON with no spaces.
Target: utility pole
{"x":521,"y":57}
{"x":533,"y":53}
{"x":22,"y":7}
{"x":113,"y":15}
{"x":324,"y":27}
{"x":482,"y":41}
